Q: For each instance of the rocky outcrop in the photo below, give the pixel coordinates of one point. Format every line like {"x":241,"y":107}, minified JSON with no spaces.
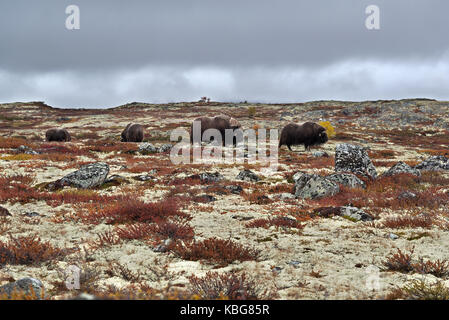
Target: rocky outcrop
{"x":25,"y":286}
{"x":147,"y":148}
{"x":313,"y":186}
{"x":347,"y":179}
{"x":211,"y":177}
{"x":434,"y":163}
{"x":355,"y":159}
{"x":401,"y":167}
{"x":247,"y":175}
{"x":88,"y":176}
{"x":347,"y":212}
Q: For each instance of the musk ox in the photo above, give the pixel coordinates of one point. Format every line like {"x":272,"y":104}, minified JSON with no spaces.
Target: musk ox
{"x":309,"y":134}
{"x":57,"y":135}
{"x":132,"y":133}
{"x":220,"y":123}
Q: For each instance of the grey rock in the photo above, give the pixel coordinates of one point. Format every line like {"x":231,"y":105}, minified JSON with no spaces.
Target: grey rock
{"x":248,"y":175}
{"x":165,"y":147}
{"x":315,"y":187}
{"x":407,"y":195}
{"x":393,"y":236}
{"x":147,"y":148}
{"x":318,"y":154}
{"x":31,"y":214}
{"x":26,"y":150}
{"x":88,"y":176}
{"x":434,"y":163}
{"x":211,"y":177}
{"x":294,"y":263}
{"x":401,"y":167}
{"x":354,"y":213}
{"x":144,"y":177}
{"x":25,"y":286}
{"x":347,"y":179}
{"x":352,"y":158}
{"x":235,"y":189}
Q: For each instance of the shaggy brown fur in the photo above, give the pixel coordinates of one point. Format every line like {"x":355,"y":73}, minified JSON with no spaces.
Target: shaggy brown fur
{"x":220,"y":122}
{"x":132,"y":133}
{"x":309,"y":134}
{"x":57,"y":135}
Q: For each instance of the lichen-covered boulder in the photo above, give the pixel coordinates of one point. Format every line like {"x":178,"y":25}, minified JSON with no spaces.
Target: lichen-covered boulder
{"x":347,"y":179}
{"x":355,"y":214}
{"x":355,"y":159}
{"x":88,"y":176}
{"x":147,"y":148}
{"x":314,"y":187}
{"x":434,"y":163}
{"x":165,"y":147}
{"x":24,"y":286}
{"x":401,"y":167}
{"x":211,"y":177}
{"x":248,"y":175}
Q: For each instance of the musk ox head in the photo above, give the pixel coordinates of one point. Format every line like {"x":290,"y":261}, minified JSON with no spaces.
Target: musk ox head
{"x":57,"y":134}
{"x":132,"y":133}
{"x":234,"y":123}
{"x":308,"y":134}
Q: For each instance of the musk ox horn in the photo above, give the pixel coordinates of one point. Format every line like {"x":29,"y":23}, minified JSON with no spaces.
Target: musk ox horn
{"x":57,"y":134}
{"x":132,"y":133}
{"x":308,"y":134}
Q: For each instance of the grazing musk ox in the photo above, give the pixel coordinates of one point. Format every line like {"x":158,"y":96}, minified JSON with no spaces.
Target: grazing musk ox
{"x":132,"y":133}
{"x":220,"y":123}
{"x":57,"y":134}
{"x":309,"y":134}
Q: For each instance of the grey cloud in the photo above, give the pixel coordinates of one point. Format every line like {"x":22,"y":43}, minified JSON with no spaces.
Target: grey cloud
{"x":266,"y":50}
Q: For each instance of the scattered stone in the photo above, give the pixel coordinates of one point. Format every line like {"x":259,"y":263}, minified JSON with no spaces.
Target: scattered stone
{"x":355,"y":214}
{"x":319,"y":154}
{"x":147,"y":148}
{"x":4,"y":212}
{"x":25,"y":286}
{"x":347,"y":179}
{"x":401,"y":167}
{"x":31,"y":214}
{"x":88,"y":176}
{"x":144,"y":177}
{"x":315,"y":187}
{"x":434,"y":163}
{"x":407,"y":195}
{"x":25,"y":150}
{"x":355,"y":159}
{"x":298,"y":176}
{"x":211,"y":177}
{"x":393,"y":236}
{"x":165,"y":147}
{"x":248,"y":175}
{"x":235,"y":189}
{"x":350,"y":213}
{"x":114,"y":180}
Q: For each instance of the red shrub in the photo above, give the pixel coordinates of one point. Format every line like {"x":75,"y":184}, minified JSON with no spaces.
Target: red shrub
{"x":222,"y":252}
{"x":28,"y":250}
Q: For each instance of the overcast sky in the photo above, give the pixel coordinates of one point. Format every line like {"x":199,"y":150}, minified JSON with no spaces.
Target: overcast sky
{"x":228,"y":50}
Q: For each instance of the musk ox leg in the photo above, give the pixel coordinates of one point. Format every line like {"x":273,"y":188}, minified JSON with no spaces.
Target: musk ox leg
{"x":289,"y":147}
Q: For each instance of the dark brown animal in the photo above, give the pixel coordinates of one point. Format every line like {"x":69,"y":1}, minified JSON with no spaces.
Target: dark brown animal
{"x":220,"y":123}
{"x":57,"y":135}
{"x":309,"y":134}
{"x":132,"y":133}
